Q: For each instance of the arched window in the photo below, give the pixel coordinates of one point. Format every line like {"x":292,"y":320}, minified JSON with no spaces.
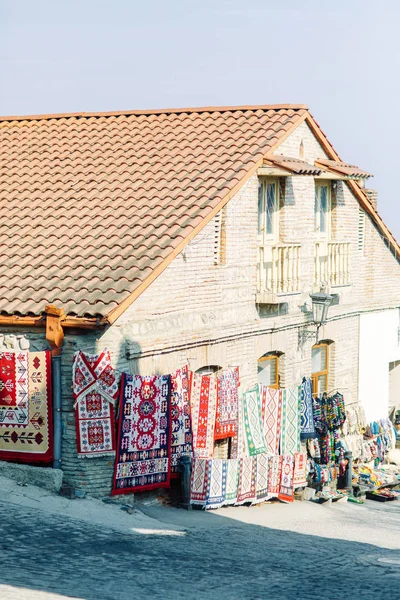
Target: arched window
{"x":268,"y":369}
{"x":320,"y":368}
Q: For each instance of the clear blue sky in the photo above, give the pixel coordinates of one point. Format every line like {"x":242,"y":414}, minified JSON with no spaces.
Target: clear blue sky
{"x":341,"y":58}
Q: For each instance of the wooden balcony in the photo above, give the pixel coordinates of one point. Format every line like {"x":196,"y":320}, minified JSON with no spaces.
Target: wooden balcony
{"x":278,"y":272}
{"x":332,"y":264}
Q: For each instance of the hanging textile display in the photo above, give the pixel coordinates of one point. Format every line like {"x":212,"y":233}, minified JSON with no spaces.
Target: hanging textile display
{"x":231,"y":481}
{"x":246,"y":480}
{"x":274,"y":476}
{"x":300,"y":472}
{"x":216,"y":483}
{"x":26,"y":421}
{"x":203,"y":401}
{"x":227,"y":404}
{"x":95,"y":390}
{"x":252,"y":416}
{"x":143,"y":450}
{"x":199,"y":481}
{"x":286,"y":490}
{"x":307,"y":417}
{"x":271,"y":401}
{"x":181,"y":422}
{"x":262,"y":467}
{"x":290,"y":435}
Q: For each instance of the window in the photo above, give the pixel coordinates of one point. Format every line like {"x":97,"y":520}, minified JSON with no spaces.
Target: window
{"x":268,"y":370}
{"x":322,"y":208}
{"x":208,"y":369}
{"x":267,"y":208}
{"x":320,"y":366}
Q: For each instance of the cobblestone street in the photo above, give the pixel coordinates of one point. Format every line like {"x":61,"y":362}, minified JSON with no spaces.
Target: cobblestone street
{"x":219,"y":555}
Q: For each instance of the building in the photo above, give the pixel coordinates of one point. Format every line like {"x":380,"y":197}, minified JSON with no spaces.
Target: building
{"x":195,"y":236}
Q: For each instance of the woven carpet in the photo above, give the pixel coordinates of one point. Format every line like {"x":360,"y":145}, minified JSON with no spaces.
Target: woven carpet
{"x":307,"y":427}
{"x":216,"y":483}
{"x":274,"y":476}
{"x":246,"y":480}
{"x":26,"y":420}
{"x":286,"y":490}
{"x":232,"y":480}
{"x":227,"y":404}
{"x":300,"y":475}
{"x":143,"y":450}
{"x":199,"y":481}
{"x":252,"y":416}
{"x":290,"y":434}
{"x":271,"y":403}
{"x":262,"y":468}
{"x":95,"y":390}
{"x":181,"y":423}
{"x":203,"y":400}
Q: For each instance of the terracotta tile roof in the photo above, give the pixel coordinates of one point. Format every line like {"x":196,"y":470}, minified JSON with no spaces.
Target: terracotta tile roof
{"x":343,"y":168}
{"x":294,"y":165}
{"x":92,"y":206}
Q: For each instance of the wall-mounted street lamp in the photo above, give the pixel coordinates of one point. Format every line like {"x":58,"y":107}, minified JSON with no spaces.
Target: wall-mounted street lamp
{"x":320,"y":305}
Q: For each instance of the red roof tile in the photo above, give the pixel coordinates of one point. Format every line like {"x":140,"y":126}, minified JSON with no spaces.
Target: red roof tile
{"x":90,"y":204}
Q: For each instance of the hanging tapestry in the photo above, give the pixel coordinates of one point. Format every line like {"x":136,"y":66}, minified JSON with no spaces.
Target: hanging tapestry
{"x":261,"y":478}
{"x":231,"y":481}
{"x":143,"y":450}
{"x":227,"y":404}
{"x":274,"y":475}
{"x":199,"y":481}
{"x":253,"y":425}
{"x":246,"y":480}
{"x":300,"y":474}
{"x":238,"y":443}
{"x":307,"y":417}
{"x":290,"y":435}
{"x":286,"y":490}
{"x":216,"y":483}
{"x":181,"y":424}
{"x":95,"y":389}
{"x":272,"y":415}
{"x":203,"y":400}
{"x":26,"y":420}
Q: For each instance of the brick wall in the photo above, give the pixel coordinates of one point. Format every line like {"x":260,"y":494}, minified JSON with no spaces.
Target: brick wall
{"x":200,"y":313}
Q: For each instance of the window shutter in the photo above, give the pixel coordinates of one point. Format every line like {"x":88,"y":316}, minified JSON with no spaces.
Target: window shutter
{"x":361,"y":229}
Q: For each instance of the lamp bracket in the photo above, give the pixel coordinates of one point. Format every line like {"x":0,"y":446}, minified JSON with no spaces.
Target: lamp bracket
{"x":307,"y":335}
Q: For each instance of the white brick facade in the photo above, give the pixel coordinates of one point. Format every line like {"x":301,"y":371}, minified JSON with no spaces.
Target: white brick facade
{"x":200,"y":313}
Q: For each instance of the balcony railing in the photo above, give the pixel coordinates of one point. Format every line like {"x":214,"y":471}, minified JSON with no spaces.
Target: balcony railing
{"x":332,"y":263}
{"x":278,"y":270}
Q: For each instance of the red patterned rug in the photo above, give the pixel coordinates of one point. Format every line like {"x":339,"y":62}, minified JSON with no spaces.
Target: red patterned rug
{"x":26,"y":420}
{"x":203,"y":400}
{"x":143,"y":450}
{"x":227,"y":404}
{"x":95,"y":390}
{"x":300,"y":473}
{"x":181,"y":422}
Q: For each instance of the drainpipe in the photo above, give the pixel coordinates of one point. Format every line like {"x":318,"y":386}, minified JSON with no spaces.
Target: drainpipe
{"x":55,"y":337}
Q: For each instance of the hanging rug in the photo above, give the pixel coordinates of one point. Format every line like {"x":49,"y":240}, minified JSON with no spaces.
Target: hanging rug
{"x":253,"y":425}
{"x":227,"y":404}
{"x":290,"y":434}
{"x":203,"y":401}
{"x":143,"y":449}
{"x":26,"y":420}
{"x":95,"y":390}
{"x":181,"y":422}
{"x":271,"y":405}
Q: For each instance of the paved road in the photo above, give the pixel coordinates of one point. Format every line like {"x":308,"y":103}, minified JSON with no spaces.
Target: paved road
{"x":218,"y":558}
